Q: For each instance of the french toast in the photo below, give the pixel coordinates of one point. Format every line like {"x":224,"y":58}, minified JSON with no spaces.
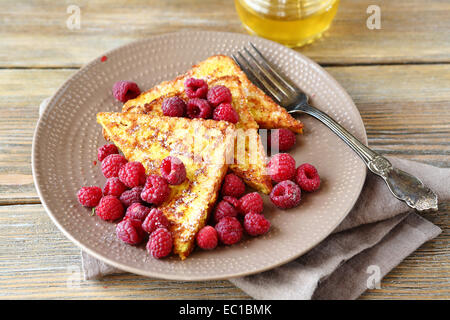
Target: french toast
{"x":204,"y":146}
{"x":249,"y":156}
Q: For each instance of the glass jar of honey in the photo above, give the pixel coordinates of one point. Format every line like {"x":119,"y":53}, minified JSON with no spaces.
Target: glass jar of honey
{"x":291,"y":22}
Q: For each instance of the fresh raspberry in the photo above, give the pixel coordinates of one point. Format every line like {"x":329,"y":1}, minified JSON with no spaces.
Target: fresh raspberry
{"x":89,"y":196}
{"x":232,"y":186}
{"x":174,"y":107}
{"x":154,"y":220}
{"x":173,"y":170}
{"x":109,"y":208}
{"x":281,"y":167}
{"x":284,"y":138}
{"x":207,"y":238}
{"x":160,"y":243}
{"x":232,"y":200}
{"x":106,"y":150}
{"x":229,"y":230}
{"x":307,"y":177}
{"x":131,"y":196}
{"x":156,"y":190}
{"x":251,"y":202}
{"x":219,"y":94}
{"x":225,"y":112}
{"x":255,"y":224}
{"x":198,"y":108}
{"x":137,"y":211}
{"x":112,"y":164}
{"x":286,"y":195}
{"x":132,"y":174}
{"x":114,"y":187}
{"x":130,"y":231}
{"x":224,"y":209}
{"x":125,"y":90}
{"x":195,"y":88}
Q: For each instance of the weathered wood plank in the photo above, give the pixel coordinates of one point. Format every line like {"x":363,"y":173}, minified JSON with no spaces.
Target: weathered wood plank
{"x":411,"y":31}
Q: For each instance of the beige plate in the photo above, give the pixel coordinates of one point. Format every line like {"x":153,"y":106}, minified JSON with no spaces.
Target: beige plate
{"x":67,"y":137}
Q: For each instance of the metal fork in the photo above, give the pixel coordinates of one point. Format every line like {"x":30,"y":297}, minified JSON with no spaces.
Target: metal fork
{"x":403,"y":186}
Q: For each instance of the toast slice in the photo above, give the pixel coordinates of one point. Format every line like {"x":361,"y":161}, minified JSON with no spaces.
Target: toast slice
{"x":249,"y":157}
{"x":204,"y":146}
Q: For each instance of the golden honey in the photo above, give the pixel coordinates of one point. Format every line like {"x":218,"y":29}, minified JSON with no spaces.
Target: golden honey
{"x":290,"y":22}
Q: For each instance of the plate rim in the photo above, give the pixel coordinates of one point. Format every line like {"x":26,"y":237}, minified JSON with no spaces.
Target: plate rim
{"x":149,"y":273}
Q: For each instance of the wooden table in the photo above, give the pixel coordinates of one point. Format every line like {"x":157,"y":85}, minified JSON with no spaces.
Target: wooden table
{"x":399,"y":77}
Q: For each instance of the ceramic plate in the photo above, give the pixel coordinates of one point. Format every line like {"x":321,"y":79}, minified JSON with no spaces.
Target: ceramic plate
{"x":67,"y":137}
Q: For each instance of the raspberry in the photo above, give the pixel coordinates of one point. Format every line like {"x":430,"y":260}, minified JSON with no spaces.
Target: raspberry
{"x":132,"y":174}
{"x":255,"y":224}
{"x":112,"y":164}
{"x":114,"y":187}
{"x":174,"y":107}
{"x":130,"y":231}
{"x":226,"y":112}
{"x":160,"y":243}
{"x":283,"y":137}
{"x":307,"y":177}
{"x":154,"y":220}
{"x":109,"y":208}
{"x":195,"y":88}
{"x":232,"y":200}
{"x":286,"y":195}
{"x":207,"y":238}
{"x":156,"y":190}
{"x":131,"y":196}
{"x":229,"y":230}
{"x":251,"y":202}
{"x":232,"y":186}
{"x":224,"y":209}
{"x":281,"y":167}
{"x":137,"y":211}
{"x":198,"y":108}
{"x":89,"y":196}
{"x":173,"y":170}
{"x":106,"y":150}
{"x":219,"y":94}
{"x":125,"y":90}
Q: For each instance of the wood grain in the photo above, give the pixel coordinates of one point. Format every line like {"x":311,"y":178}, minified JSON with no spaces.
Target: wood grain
{"x":411,"y":31}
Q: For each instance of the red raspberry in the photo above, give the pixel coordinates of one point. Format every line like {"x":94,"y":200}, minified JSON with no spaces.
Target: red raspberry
{"x":89,"y":196}
{"x":195,"y":88}
{"x":131,"y":196}
{"x":132,"y":174}
{"x":106,"y":150}
{"x":255,"y":224}
{"x":109,"y":208}
{"x":173,"y":170}
{"x":154,"y":220}
{"x":281,"y":167}
{"x":219,"y":94}
{"x":233,"y":201}
{"x":198,"y":108}
{"x":137,"y":211}
{"x":229,"y":230}
{"x":156,"y":190}
{"x":307,"y":177}
{"x":251,"y":202}
{"x":174,"y":107}
{"x":283,"y":137}
{"x":130,"y":231}
{"x":160,"y":243}
{"x":207,"y":238}
{"x":125,"y":90}
{"x":112,"y":164}
{"x":286,"y":195}
{"x":224,"y":209}
{"x":114,"y":187}
{"x":232,"y":186}
{"x":225,"y":112}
